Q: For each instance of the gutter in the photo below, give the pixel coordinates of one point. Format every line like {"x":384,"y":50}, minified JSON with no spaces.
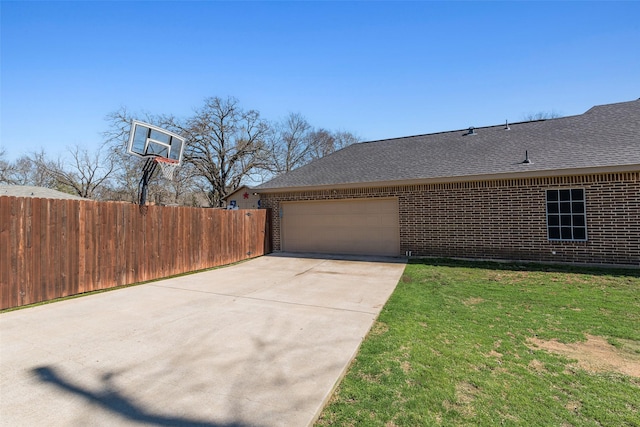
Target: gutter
{"x":452,"y":179}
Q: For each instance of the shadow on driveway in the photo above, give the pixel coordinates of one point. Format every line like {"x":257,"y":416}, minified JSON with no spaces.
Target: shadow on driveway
{"x":261,"y":343}
{"x":111,"y":399}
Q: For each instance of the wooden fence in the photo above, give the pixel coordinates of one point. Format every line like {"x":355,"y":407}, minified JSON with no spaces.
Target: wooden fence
{"x":52,"y":248}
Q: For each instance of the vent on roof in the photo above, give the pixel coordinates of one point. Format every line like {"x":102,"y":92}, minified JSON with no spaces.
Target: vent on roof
{"x":506,"y":125}
{"x":526,"y":158}
{"x":472,"y":131}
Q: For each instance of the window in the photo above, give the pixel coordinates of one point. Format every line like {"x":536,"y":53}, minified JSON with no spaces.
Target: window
{"x":566,"y":215}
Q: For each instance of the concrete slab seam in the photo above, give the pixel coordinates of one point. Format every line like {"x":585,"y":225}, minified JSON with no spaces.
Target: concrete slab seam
{"x":268,"y":300}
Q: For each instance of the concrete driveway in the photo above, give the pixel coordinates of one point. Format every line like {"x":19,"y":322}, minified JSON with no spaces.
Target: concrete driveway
{"x":261,"y":343}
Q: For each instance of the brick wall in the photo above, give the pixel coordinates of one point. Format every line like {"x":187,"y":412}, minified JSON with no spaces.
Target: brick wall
{"x":502,"y":219}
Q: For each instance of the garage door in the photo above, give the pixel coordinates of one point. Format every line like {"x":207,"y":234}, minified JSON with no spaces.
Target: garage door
{"x":361,"y":226}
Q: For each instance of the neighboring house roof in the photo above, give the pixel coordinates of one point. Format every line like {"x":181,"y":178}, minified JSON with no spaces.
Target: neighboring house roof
{"x":605,"y":138}
{"x":243,"y":197}
{"x":39,"y":192}
{"x":237,"y":190}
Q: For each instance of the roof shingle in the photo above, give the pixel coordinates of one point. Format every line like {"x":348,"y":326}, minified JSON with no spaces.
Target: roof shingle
{"x":37,"y":192}
{"x":604,"y":136}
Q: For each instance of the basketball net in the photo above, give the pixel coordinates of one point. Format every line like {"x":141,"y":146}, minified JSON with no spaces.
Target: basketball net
{"x":167,"y":166}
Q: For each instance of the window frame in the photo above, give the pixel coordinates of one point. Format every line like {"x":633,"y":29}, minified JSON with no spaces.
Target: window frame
{"x":562,"y":213}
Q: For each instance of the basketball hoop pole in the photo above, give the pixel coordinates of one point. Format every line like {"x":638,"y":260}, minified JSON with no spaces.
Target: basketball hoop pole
{"x":147,"y":172}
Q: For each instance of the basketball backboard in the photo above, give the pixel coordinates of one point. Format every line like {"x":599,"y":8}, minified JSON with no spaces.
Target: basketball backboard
{"x":147,"y":140}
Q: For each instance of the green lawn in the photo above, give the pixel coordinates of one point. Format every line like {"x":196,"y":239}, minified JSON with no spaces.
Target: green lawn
{"x":453,"y":347}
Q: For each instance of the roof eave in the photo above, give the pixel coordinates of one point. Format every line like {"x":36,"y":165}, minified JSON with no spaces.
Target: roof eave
{"x":463,"y":178}
{"x":242,"y":187}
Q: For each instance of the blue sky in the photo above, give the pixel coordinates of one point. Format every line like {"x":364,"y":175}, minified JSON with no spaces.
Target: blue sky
{"x":377,"y":69}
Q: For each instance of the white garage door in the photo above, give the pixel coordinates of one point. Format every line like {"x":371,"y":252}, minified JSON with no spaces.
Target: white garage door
{"x":360,"y":226}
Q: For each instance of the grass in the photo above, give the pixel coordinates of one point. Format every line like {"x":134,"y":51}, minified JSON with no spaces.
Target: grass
{"x":452,"y":347}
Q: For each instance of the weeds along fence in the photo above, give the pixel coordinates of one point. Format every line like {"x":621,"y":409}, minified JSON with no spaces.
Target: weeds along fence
{"x":51,"y":248}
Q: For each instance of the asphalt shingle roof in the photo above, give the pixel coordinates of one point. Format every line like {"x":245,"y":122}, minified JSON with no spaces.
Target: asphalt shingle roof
{"x":38,"y":192}
{"x":604,"y":136}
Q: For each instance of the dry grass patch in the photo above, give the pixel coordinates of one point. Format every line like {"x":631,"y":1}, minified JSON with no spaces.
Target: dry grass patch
{"x":495,"y":354}
{"x":472,"y":301}
{"x":379,"y":328}
{"x":465,"y":396}
{"x":573,"y":406}
{"x":537,"y":366}
{"x":594,"y":355}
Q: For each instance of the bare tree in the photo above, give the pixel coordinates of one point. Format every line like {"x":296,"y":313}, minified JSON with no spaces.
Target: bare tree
{"x":29,"y":170}
{"x":324,"y":142}
{"x":83,"y":173}
{"x":225,"y":144}
{"x":181,"y":189}
{"x":124,"y":180}
{"x":541,"y":115}
{"x":344,"y":139}
{"x":290,"y":144}
{"x":117,"y":135}
{"x":294,"y":143}
{"x":6,"y":168}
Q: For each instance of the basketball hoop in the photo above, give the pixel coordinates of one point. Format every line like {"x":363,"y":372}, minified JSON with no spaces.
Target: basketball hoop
{"x":159,"y":147}
{"x":167,"y":166}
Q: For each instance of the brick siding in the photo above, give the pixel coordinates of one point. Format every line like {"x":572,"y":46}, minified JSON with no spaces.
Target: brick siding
{"x":502,"y":219}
